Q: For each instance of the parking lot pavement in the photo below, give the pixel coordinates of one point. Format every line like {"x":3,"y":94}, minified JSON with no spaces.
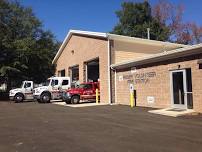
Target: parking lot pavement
{"x":27,"y":127}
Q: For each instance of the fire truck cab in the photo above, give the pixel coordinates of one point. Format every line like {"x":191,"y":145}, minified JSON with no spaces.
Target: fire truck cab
{"x":52,"y":89}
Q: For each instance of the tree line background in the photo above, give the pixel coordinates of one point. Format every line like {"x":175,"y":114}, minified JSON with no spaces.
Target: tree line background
{"x":27,"y":50}
{"x":164,"y":19}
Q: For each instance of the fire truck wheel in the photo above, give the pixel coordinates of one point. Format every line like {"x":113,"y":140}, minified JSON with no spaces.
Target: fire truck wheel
{"x":75,"y":100}
{"x":18,"y":97}
{"x":45,"y":97}
{"x":68,"y":102}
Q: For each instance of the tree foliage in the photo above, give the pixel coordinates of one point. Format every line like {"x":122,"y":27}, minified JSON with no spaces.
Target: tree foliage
{"x":26,"y":50}
{"x":135,"y":18}
{"x":180,"y":31}
{"x":164,"y":19}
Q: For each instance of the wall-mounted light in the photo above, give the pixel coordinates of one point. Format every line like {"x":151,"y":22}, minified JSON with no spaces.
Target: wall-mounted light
{"x":179,"y":66}
{"x":200,"y":63}
{"x":133,"y":70}
{"x":200,"y":66}
{"x":72,"y":51}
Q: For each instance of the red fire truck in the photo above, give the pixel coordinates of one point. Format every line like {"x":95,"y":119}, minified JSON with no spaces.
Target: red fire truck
{"x":85,"y":91}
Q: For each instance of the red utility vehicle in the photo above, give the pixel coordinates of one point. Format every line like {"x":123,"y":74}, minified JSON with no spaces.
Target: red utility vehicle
{"x":85,"y":91}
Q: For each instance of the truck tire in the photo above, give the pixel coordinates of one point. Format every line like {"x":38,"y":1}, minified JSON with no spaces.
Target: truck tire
{"x":75,"y":99}
{"x":45,"y":97}
{"x":19,"y":98}
{"x":67,"y":102}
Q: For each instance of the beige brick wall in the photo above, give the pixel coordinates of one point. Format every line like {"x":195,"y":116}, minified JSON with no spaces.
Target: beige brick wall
{"x":124,"y":51}
{"x":85,"y":49}
{"x":159,"y":86}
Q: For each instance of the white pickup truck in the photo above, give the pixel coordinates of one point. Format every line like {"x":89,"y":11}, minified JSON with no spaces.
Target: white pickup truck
{"x":52,"y":90}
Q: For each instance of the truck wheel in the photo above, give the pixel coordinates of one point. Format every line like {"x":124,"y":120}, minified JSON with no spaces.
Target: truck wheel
{"x":45,"y":98}
{"x":75,"y":100}
{"x":67,"y":102}
{"x":19,"y":97}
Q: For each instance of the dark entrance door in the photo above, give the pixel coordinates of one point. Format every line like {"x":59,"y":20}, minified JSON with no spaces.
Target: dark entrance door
{"x":179,"y":88}
{"x":93,"y":72}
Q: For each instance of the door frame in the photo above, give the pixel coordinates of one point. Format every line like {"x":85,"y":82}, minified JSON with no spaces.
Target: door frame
{"x":180,"y":106}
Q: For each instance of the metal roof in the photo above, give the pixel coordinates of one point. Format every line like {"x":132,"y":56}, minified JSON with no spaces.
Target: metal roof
{"x":176,"y":53}
{"x":111,"y":37}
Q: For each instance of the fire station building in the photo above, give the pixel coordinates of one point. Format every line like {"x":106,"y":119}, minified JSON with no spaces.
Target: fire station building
{"x":168,"y":79}
{"x":162,"y":74}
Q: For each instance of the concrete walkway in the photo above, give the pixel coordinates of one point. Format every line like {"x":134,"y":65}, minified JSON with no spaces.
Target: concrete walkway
{"x":79,"y":105}
{"x":173,"y":112}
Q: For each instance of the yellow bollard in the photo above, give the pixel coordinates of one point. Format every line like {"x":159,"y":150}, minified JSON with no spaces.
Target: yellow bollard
{"x":131,"y":99}
{"x":97,"y":96}
{"x":131,"y":95}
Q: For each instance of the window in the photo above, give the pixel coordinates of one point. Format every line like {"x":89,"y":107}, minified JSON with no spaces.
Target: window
{"x":62,"y":74}
{"x":54,"y":82}
{"x":74,"y":73}
{"x":189,"y":89}
{"x":27,"y":85}
{"x":85,"y":86}
{"x":65,"y":82}
{"x":88,"y":86}
{"x":200,"y":66}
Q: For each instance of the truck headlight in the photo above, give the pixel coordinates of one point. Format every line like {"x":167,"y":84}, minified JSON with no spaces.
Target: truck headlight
{"x":36,"y":91}
{"x":11,"y":92}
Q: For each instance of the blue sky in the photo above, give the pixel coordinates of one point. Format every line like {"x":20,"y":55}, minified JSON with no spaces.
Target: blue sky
{"x":60,"y":16}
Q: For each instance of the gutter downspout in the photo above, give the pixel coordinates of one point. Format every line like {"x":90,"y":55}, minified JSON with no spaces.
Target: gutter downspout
{"x":115,"y":90}
{"x":109,"y":70}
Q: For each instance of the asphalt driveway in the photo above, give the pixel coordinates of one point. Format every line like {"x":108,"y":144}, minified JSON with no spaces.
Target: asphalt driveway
{"x":28,"y":127}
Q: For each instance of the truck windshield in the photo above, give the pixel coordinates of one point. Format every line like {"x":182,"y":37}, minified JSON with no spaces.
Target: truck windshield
{"x":85,"y":86}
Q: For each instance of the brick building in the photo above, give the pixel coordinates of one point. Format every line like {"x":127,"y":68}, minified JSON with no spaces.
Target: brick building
{"x":163,"y":74}
{"x":168,"y":79}
{"x":88,"y":56}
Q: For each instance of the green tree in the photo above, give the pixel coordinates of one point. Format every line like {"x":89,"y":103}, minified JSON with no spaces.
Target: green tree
{"x":135,"y":18}
{"x":26,"y":50}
